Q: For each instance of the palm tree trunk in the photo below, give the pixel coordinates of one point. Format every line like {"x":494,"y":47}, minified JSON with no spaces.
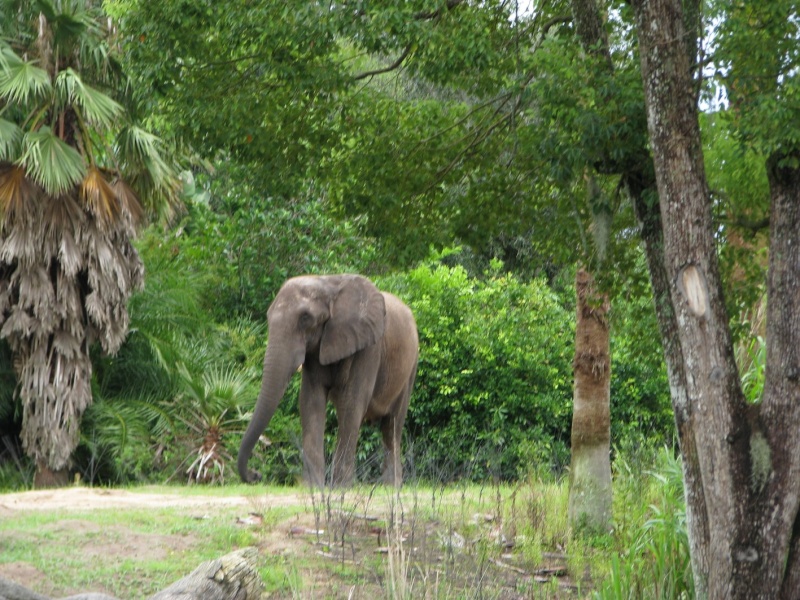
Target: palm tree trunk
{"x":45,"y":477}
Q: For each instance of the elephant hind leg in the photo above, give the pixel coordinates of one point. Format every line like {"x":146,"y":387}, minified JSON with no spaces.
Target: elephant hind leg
{"x":392,"y":432}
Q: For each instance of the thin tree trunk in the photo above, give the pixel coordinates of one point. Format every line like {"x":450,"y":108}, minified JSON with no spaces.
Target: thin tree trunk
{"x":744,"y":503}
{"x":590,"y":467}
{"x":639,"y":178}
{"x":647,"y":209}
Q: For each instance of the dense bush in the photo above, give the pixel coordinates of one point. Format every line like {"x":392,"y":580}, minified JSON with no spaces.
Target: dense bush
{"x":641,"y":409}
{"x":245,"y":243}
{"x":494,"y":387}
{"x":493,"y":397}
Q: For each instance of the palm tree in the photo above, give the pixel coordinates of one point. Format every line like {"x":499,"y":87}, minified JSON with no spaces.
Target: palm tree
{"x":76,"y":178}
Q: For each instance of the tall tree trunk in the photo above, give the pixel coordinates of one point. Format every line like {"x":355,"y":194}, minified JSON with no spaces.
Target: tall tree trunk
{"x":648,"y":213}
{"x":776,"y":509}
{"x":743,"y":525}
{"x":590,"y":468}
{"x":638,"y":177}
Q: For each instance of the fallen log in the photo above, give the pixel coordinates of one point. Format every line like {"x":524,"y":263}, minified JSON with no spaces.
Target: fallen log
{"x":232,"y":577}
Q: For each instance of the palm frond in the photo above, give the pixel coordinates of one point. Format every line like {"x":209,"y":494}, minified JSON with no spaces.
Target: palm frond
{"x":51,"y":162}
{"x":69,"y":25}
{"x":230,"y":385}
{"x":140,"y":149}
{"x":15,"y":189}
{"x":146,"y":170}
{"x":129,"y":201}
{"x":96,"y":108}
{"x":46,"y":8}
{"x":10,"y":140}
{"x":20,"y":80}
{"x":99,"y":196}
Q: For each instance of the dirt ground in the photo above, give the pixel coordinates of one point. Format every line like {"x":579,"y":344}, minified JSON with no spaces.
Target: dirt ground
{"x":288,"y":538}
{"x":118,"y":541}
{"x":83,"y":498}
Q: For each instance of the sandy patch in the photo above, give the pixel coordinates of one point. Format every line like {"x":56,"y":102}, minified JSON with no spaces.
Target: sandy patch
{"x":83,"y":498}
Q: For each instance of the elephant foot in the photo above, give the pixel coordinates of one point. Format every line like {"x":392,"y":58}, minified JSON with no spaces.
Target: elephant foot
{"x":253,"y":477}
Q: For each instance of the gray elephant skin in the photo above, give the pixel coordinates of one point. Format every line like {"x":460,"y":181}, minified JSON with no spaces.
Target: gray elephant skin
{"x":358,"y":348}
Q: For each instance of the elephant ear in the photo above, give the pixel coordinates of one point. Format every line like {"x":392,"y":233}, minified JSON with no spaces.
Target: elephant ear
{"x":358,"y":318}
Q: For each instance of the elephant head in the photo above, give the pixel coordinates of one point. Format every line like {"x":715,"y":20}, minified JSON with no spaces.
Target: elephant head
{"x":323,"y":319}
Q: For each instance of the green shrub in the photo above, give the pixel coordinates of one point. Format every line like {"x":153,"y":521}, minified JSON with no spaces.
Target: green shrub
{"x":641,"y":408}
{"x":493,"y":398}
{"x":652,"y":557}
{"x":494,"y":384}
{"x":245,"y":244}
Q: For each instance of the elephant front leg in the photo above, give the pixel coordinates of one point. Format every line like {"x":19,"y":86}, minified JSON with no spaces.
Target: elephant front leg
{"x":312,"y":421}
{"x":344,"y":458}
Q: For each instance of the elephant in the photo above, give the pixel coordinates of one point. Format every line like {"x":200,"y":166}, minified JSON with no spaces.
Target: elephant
{"x":356,"y":347}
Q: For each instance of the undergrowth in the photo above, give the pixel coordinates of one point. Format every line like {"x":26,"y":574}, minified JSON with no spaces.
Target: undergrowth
{"x":458,"y":540}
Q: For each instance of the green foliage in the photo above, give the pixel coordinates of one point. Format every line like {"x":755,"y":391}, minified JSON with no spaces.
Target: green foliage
{"x":654,"y":561}
{"x":253,"y":80}
{"x":758,"y":59}
{"x":177,"y":376}
{"x":751,"y":357}
{"x":381,"y":169}
{"x":494,"y":384}
{"x":211,"y":406}
{"x":245,"y":244}
{"x":737,"y":177}
{"x":641,"y":409}
{"x":492,"y":399}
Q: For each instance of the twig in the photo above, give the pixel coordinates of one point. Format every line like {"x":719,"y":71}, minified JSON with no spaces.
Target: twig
{"x":503,"y":565}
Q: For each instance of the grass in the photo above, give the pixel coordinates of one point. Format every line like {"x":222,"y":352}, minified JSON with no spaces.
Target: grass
{"x":130,"y":552}
{"x":438,"y":542}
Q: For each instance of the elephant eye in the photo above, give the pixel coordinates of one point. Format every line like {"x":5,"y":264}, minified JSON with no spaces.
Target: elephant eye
{"x":305,"y":321}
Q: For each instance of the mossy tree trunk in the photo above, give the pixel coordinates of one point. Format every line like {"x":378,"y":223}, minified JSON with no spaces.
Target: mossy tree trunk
{"x":590,"y":468}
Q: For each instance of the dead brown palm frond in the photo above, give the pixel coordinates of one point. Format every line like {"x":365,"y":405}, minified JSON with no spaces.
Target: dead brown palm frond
{"x":67,"y":262}
{"x":99,"y":196}
{"x":129,"y":201}
{"x":15,"y":189}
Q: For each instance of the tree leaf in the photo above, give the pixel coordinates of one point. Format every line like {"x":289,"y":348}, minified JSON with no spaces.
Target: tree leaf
{"x":96,"y":107}
{"x":15,"y":189}
{"x":51,"y":162}
{"x":145,"y":169}
{"x":20,"y":80}
{"x":10,"y":138}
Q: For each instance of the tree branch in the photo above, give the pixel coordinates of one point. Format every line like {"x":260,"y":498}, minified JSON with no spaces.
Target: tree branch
{"x":388,"y":69}
{"x":451,"y":4}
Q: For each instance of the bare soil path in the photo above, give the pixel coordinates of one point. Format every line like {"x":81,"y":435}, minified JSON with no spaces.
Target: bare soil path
{"x":84,"y":498}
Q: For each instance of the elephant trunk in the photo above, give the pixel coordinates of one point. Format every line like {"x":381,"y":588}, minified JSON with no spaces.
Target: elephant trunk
{"x":279,"y":366}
